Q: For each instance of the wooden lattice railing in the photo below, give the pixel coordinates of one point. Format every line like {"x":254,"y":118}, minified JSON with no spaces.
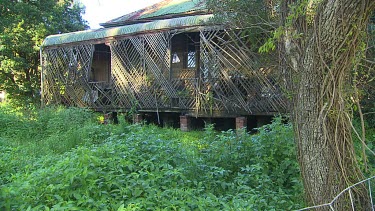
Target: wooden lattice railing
{"x":230,"y":77}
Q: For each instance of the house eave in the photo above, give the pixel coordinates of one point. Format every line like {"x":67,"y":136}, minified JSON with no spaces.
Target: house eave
{"x":139,"y":28}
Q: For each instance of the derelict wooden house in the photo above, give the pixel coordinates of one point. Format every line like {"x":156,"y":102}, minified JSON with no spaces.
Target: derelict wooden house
{"x":166,"y":58}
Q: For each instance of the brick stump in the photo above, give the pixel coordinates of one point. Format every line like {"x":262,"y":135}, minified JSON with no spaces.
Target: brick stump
{"x":185,"y":123}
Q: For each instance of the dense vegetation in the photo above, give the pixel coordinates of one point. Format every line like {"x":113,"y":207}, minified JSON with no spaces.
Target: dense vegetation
{"x":326,"y":66}
{"x":23,"y":26}
{"x":65,"y":159}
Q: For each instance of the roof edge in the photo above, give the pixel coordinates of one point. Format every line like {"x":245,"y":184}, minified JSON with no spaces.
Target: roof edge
{"x":174,"y":23}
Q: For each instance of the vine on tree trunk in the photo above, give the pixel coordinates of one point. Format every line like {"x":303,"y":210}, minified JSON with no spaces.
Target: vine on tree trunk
{"x":317,"y":66}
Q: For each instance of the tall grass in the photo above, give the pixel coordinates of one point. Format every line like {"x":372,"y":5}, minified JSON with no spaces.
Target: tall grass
{"x":63,"y":159}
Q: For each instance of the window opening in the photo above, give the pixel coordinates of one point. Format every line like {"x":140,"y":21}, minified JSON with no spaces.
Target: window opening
{"x":185,"y":55}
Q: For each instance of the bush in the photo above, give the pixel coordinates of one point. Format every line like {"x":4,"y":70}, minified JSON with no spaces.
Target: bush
{"x":87,"y":166}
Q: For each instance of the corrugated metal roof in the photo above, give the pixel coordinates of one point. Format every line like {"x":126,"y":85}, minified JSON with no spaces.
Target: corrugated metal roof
{"x":79,"y":36}
{"x":159,"y":11}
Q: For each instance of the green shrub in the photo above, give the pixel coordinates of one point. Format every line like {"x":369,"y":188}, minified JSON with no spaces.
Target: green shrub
{"x":70,"y":162}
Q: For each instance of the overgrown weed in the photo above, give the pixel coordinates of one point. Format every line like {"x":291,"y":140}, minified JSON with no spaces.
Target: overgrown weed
{"x":63,"y":159}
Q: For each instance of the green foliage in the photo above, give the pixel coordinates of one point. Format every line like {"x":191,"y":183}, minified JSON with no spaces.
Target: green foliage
{"x":370,"y":142}
{"x":62,"y":159}
{"x":245,"y":13}
{"x":270,"y":44}
{"x":23,"y":26}
{"x":257,"y":18}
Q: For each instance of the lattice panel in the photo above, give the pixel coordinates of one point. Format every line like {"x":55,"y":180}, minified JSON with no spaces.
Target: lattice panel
{"x":232,"y":77}
{"x":187,"y":90}
{"x":65,"y":76}
{"x":126,"y":62}
{"x":140,"y":65}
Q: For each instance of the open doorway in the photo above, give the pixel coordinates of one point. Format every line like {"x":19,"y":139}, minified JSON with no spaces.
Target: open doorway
{"x":101,"y":64}
{"x":100,"y":76}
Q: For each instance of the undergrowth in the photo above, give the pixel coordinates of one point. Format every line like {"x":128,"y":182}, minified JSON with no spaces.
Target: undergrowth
{"x":368,"y":167}
{"x":63,"y":159}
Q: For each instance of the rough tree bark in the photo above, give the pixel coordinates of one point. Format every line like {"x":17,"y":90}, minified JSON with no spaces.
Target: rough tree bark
{"x":318,"y":52}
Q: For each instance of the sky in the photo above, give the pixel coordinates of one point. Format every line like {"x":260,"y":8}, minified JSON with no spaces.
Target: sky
{"x":100,"y":11}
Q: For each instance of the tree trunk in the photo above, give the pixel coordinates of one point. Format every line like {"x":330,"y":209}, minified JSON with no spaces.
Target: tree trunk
{"x":318,"y":67}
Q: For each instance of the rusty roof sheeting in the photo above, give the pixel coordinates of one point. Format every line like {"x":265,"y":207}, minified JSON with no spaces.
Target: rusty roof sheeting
{"x":160,"y":10}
